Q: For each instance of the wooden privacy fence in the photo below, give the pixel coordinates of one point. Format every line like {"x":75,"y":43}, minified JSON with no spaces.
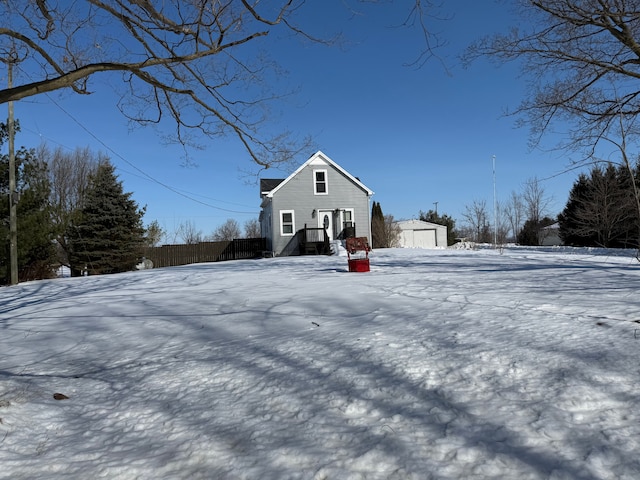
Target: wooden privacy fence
{"x":174,"y":255}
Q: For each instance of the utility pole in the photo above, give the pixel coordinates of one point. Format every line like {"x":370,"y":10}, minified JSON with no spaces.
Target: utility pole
{"x":436,"y":204}
{"x":13,"y":196}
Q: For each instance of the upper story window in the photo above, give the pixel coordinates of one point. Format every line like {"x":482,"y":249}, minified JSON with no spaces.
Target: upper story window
{"x":320,"y":182}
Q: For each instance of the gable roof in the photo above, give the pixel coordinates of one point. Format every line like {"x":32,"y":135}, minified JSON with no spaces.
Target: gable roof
{"x":417,"y":224}
{"x":317,"y":157}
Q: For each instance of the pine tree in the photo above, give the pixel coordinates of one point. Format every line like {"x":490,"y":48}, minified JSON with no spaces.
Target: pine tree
{"x":107,"y":236}
{"x":385,"y":231}
{"x":36,"y":249}
{"x":530,"y":232}
{"x":600,"y":210}
{"x":569,"y":230}
{"x":377,"y":226}
{"x":628,"y":235}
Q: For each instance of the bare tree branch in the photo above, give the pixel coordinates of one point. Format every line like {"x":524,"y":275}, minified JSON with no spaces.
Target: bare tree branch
{"x":194,"y":61}
{"x":583,"y":62}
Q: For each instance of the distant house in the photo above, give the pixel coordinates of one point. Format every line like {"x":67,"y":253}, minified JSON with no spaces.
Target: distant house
{"x":318,"y":203}
{"x":419,"y":234}
{"x":550,"y":235}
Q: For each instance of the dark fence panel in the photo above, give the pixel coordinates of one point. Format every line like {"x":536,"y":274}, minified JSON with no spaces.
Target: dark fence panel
{"x":174,"y":255}
{"x":244,"y":248}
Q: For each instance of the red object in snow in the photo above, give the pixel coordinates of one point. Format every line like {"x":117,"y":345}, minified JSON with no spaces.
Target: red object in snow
{"x":358,"y":246}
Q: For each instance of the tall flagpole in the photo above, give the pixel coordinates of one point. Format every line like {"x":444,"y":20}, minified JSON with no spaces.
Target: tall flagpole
{"x":495,"y":206}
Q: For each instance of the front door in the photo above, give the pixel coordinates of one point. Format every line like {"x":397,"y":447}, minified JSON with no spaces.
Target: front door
{"x":325,"y":220}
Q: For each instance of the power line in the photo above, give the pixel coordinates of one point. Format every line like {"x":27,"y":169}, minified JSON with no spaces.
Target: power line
{"x":145,"y":174}
{"x":183,"y":193}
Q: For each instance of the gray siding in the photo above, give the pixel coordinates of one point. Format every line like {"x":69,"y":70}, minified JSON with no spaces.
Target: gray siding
{"x":298,"y":195}
{"x":266,"y":225}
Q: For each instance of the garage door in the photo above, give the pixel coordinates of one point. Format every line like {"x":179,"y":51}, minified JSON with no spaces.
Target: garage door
{"x":424,"y":238}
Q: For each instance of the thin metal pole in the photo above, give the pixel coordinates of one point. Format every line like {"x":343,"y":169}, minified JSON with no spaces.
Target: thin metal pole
{"x":495,"y":206}
{"x":13,"y":204}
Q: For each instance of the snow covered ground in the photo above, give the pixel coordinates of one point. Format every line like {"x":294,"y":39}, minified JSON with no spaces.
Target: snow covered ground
{"x":441,"y":364}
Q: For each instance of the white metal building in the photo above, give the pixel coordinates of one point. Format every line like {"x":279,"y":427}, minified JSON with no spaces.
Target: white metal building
{"x":419,"y":234}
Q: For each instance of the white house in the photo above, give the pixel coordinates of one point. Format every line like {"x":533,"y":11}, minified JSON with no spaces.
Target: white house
{"x":419,"y":234}
{"x":319,"y":198}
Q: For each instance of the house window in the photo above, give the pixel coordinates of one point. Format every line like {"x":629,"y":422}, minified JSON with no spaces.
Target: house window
{"x":347,"y":218}
{"x":320,"y":182}
{"x":348,"y":224}
{"x":287,"y":223}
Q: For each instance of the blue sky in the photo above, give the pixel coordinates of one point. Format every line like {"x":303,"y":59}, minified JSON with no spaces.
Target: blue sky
{"x":413,"y":136}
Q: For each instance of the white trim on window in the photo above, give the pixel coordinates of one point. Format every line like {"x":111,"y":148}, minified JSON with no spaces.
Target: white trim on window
{"x":287,"y":223}
{"x":320,"y":185}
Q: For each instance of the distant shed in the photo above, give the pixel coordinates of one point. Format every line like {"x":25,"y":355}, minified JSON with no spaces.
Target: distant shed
{"x":550,"y":235}
{"x":419,"y":234}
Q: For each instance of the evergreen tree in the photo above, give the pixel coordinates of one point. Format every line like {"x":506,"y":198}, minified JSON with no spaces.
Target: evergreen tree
{"x":36,"y":249}
{"x":377,"y":226}
{"x":107,"y":236}
{"x":385,"y":231}
{"x":601,"y":210}
{"x":628,"y":234}
{"x":530,"y":233}
{"x":433,"y":217}
{"x":568,"y":218}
